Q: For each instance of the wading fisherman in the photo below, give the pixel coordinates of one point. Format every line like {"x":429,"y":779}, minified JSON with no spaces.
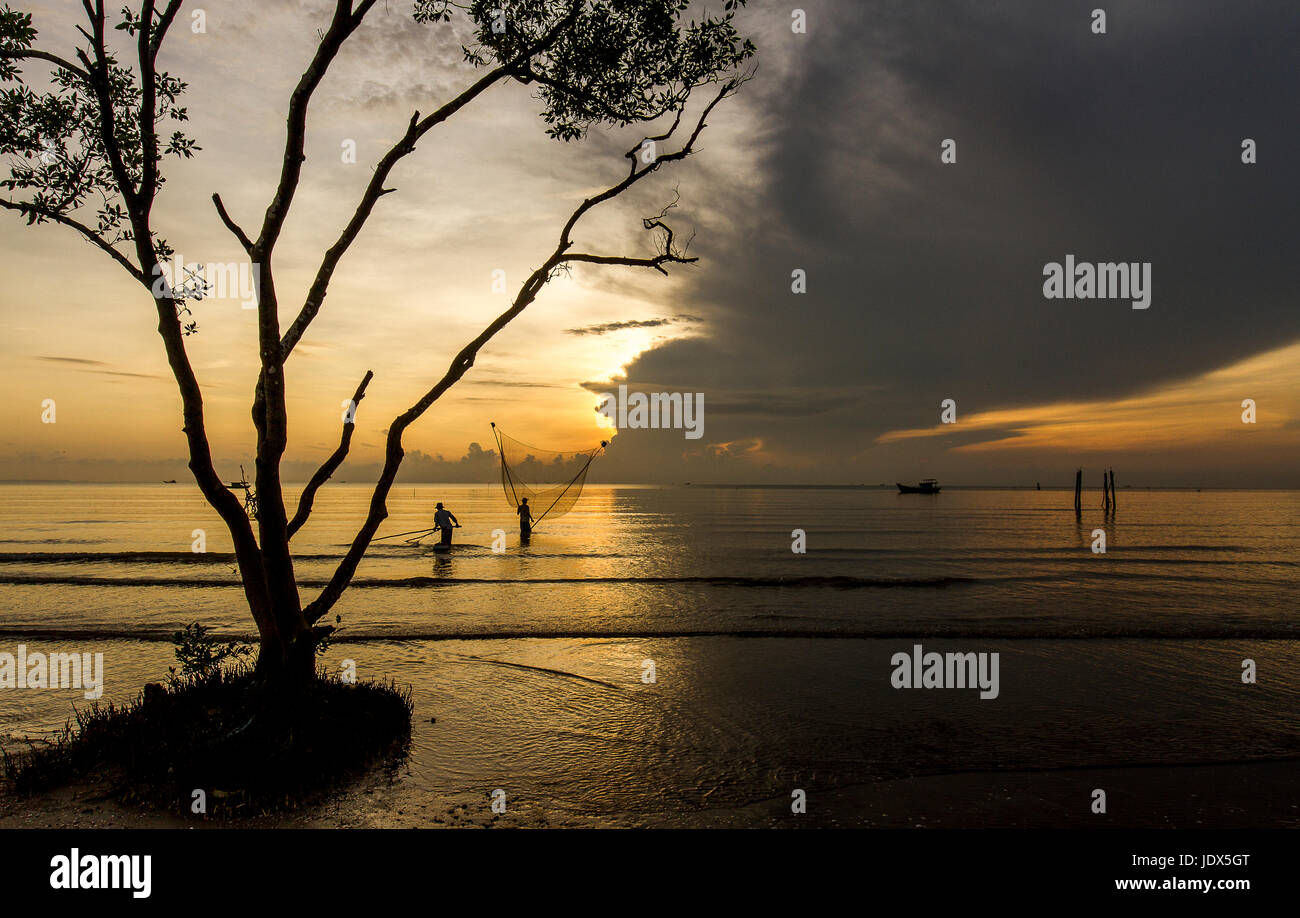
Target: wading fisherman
{"x":444,"y":521}
{"x":525,"y":520}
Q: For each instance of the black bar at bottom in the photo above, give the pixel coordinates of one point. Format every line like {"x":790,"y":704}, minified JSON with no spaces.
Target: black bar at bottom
{"x":933,"y":867}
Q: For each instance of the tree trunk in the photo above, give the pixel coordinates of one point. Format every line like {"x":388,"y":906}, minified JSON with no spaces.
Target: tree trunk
{"x":287,"y":651}
{"x":287,"y":661}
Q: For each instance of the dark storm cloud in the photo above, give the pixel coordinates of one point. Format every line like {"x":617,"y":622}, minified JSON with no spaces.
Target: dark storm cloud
{"x":759,"y":402}
{"x":925,"y":280}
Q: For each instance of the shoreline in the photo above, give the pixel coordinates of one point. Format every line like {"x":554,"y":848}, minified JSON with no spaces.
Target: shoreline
{"x":1217,"y":795}
{"x":727,"y":729}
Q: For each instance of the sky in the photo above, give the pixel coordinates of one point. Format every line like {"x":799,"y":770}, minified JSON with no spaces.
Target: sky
{"x":924,"y":279}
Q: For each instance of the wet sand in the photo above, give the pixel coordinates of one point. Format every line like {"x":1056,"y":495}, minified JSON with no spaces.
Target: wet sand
{"x":1239,"y":795}
{"x":572,"y":733}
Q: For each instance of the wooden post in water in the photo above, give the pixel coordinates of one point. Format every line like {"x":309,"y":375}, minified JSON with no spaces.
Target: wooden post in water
{"x":1078,"y":492}
{"x":1114,"y":501}
{"x":1105,"y":491}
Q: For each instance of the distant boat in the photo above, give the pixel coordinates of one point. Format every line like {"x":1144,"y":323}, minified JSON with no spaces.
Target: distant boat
{"x":927,"y":486}
{"x":170,"y":481}
{"x":242,"y":483}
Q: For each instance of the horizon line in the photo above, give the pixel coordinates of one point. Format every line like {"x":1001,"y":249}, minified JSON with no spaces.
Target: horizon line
{"x":688,"y":484}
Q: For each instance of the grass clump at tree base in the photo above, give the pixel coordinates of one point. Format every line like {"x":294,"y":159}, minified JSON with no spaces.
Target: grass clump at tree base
{"x":249,"y":747}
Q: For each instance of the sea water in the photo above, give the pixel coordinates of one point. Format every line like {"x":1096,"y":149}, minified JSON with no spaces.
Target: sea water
{"x":771,"y":668}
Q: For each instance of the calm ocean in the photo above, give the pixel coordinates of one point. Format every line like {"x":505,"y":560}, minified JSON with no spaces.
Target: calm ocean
{"x":772,"y":669}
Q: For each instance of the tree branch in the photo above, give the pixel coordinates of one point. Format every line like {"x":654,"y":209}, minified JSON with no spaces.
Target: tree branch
{"x":98,"y":70}
{"x":252,"y":570}
{"x":331,"y":464}
{"x":464,"y":360}
{"x":96,"y":73}
{"x":669,"y":255}
{"x":28,"y":210}
{"x":343,"y":24}
{"x":164,"y":23}
{"x":269,"y":413}
{"x":232,"y":225}
{"x":50,"y":58}
{"x":148,"y":107}
{"x":656,"y":262}
{"x":375,"y":189}
{"x":531,"y":76}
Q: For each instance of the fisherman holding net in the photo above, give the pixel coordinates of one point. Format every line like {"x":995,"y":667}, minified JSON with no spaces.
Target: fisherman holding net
{"x":444,"y":521}
{"x":541,"y":484}
{"x":525,"y":520}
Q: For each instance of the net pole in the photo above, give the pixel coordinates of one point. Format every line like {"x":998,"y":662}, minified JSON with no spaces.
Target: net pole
{"x":396,"y":534}
{"x":506,"y":477}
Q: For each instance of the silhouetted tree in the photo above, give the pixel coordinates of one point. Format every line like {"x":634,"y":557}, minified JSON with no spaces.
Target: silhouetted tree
{"x":86,"y":152}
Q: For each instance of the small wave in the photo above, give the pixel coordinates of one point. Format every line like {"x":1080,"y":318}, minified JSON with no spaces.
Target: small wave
{"x":1102,"y":574}
{"x":832,"y":582}
{"x":1118,"y":556}
{"x":90,"y":522}
{"x":113,"y":557}
{"x":540,"y":669}
{"x":1276,"y":632}
{"x":225,"y":557}
{"x":118,"y":557}
{"x":52,"y":542}
{"x":1070,"y":549}
{"x":1130,"y":553}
